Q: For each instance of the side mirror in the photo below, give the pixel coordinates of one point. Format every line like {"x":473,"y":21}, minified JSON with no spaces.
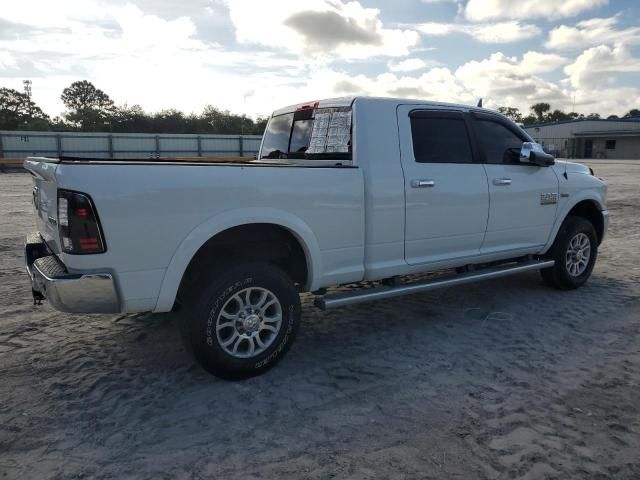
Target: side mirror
{"x":533,"y":154}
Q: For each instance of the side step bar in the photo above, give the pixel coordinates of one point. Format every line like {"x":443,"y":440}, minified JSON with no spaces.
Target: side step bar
{"x":366,"y":295}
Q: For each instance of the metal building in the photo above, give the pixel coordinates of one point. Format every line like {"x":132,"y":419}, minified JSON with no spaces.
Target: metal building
{"x":615,"y":138}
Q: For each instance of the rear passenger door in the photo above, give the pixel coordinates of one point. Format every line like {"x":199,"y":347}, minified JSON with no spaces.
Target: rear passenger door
{"x":523,"y":197}
{"x":446,"y":191}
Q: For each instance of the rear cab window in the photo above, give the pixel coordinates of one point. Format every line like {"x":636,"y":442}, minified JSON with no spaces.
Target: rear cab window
{"x":309,"y":134}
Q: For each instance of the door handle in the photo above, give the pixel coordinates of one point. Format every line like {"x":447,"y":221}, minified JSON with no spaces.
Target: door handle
{"x":502,"y":181}
{"x":422,"y":183}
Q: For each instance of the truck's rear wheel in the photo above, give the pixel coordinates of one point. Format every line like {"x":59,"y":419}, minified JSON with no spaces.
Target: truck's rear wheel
{"x":574,"y":251}
{"x":244,"y":320}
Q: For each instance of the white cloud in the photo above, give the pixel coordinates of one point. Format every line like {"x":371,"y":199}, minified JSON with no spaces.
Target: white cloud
{"x":501,"y":32}
{"x":7,"y":61}
{"x":499,"y":80}
{"x":45,"y":13}
{"x":482,"y":10}
{"x":511,"y":81}
{"x":410,"y":65}
{"x":288,"y":55}
{"x":591,"y":32}
{"x":135,"y":58}
{"x":504,"y":80}
{"x":319,"y":28}
{"x":536,"y":63}
{"x":598,"y":67}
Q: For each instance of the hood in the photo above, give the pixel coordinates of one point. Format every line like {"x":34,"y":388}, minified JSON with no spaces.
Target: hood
{"x":571,"y":167}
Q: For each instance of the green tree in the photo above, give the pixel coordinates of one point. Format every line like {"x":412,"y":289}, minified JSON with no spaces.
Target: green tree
{"x":557,"y":116}
{"x":634,"y":112}
{"x":540,"y":109}
{"x":260,"y":125}
{"x":511,"y":112}
{"x":19,"y":112}
{"x":132,"y":119}
{"x":593,"y":116}
{"x":89,"y":108}
{"x":170,"y":121}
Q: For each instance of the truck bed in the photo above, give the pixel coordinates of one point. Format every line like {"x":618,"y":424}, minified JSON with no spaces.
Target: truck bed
{"x":155,"y":219}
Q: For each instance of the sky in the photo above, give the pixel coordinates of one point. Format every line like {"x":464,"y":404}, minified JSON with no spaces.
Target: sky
{"x":253,"y":56}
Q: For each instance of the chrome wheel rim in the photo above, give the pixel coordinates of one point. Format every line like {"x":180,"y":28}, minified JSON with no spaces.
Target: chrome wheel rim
{"x":249,"y":322}
{"x":578,"y":255}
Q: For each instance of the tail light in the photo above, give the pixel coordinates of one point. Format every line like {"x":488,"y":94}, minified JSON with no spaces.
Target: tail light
{"x":78,"y":223}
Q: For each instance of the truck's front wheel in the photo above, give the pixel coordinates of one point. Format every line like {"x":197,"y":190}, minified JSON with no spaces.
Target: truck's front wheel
{"x":244,"y":320}
{"x":574,"y":251}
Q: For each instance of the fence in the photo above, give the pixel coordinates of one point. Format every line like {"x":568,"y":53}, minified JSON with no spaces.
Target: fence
{"x":21,"y":144}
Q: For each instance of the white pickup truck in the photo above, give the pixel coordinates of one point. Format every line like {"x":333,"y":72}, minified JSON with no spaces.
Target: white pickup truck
{"x":343,"y":190}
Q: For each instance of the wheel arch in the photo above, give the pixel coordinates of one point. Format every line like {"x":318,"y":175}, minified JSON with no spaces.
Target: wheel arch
{"x":230,"y":225}
{"x":591,"y":211}
{"x":586,"y":207}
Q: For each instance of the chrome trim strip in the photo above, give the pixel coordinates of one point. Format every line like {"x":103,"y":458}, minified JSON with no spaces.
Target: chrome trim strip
{"x":341,"y":300}
{"x":605,"y":224}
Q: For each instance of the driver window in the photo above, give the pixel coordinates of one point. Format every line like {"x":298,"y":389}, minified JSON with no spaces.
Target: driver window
{"x":498,"y":142}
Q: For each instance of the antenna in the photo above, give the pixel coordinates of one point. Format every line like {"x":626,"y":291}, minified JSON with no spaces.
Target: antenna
{"x":480,"y":103}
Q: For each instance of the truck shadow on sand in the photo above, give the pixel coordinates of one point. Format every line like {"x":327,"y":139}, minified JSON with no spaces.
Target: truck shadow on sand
{"x":380,"y":338}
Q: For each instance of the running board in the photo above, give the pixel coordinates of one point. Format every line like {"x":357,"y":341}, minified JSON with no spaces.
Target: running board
{"x":343,"y":299}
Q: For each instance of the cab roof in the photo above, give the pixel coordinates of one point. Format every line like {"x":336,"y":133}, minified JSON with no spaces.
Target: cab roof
{"x":347,"y":101}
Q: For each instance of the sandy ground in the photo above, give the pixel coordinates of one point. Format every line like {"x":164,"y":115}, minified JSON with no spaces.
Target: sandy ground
{"x":504,"y":379}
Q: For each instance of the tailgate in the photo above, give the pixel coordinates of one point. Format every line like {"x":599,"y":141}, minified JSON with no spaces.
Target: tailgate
{"x":44,"y":196}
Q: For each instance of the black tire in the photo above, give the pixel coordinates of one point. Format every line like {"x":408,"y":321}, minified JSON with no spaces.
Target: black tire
{"x":202,"y":315}
{"x":559,"y":276}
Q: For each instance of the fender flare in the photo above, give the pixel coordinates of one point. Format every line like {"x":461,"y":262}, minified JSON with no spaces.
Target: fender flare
{"x":224,"y":221}
{"x":566,"y":208}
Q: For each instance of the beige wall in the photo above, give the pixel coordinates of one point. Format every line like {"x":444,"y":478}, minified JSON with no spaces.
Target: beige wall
{"x":626,"y":147}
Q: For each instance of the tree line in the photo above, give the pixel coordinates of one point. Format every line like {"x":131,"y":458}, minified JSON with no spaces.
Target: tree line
{"x":542,"y":113}
{"x":89,"y":109}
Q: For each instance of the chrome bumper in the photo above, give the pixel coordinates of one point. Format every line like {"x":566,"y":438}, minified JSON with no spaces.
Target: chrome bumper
{"x":67,"y":292}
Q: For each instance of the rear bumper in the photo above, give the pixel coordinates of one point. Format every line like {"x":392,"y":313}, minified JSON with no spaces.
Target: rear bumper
{"x":68,"y":292}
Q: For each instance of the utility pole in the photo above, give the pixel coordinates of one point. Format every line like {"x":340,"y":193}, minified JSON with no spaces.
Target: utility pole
{"x":27,"y":91}
{"x":27,"y":87}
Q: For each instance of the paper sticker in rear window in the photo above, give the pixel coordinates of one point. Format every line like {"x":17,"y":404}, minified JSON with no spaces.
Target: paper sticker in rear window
{"x":331,"y":131}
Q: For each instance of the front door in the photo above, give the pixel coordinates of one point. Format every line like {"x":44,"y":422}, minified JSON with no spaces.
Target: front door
{"x":446,"y":192}
{"x":588,"y":148}
{"x":523,"y":197}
